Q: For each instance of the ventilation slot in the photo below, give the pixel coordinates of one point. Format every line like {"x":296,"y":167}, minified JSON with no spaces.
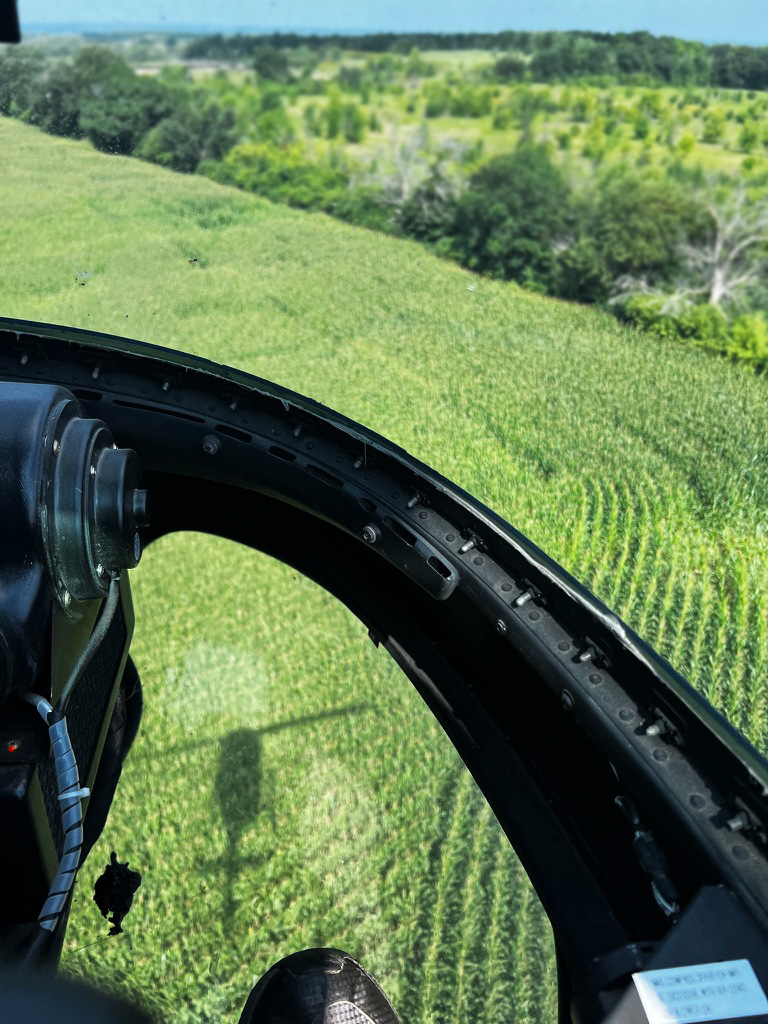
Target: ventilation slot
{"x":326,"y":477}
{"x":239,"y":435}
{"x":400,"y":530}
{"x":86,"y":396}
{"x":160,"y":411}
{"x":282,"y":453}
{"x":440,"y":567}
{"x":369,"y":506}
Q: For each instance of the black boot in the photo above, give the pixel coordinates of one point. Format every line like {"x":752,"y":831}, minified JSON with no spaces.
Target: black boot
{"x":318,"y":986}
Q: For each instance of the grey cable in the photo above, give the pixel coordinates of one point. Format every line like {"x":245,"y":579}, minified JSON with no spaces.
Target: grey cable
{"x":67,"y":776}
{"x":70,"y":795}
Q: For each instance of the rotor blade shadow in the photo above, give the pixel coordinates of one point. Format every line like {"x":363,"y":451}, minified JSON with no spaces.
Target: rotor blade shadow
{"x":238,"y":786}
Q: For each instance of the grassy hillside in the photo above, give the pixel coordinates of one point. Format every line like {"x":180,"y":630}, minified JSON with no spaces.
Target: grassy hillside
{"x":288,"y":789}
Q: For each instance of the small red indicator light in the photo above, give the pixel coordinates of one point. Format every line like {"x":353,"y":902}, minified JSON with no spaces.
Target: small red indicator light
{"x":12,"y":747}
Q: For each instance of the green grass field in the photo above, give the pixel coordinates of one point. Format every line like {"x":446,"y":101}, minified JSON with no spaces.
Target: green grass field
{"x":288,"y":788}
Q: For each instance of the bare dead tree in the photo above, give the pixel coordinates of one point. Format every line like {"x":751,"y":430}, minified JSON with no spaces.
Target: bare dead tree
{"x":409,"y":163}
{"x":735,"y":257}
{"x":402,"y":166}
{"x":722,"y":268}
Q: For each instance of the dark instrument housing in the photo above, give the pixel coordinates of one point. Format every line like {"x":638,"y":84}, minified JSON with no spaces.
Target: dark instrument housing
{"x":71,"y":505}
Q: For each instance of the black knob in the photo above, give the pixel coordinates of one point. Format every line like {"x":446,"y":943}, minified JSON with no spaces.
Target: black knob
{"x":141,"y":508}
{"x":119,"y":508}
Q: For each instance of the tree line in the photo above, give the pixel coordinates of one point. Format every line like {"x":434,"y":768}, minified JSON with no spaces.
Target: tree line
{"x":537,"y":56}
{"x":99,"y":97}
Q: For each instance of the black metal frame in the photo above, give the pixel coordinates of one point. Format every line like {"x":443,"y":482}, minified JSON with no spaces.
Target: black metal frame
{"x":9,"y":22}
{"x":554,"y":704}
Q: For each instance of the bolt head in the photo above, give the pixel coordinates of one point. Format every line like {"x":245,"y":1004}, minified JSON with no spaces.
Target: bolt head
{"x":100,"y":570}
{"x":56,"y":447}
{"x":566,"y":699}
{"x":66,"y":598}
{"x":93,"y":471}
{"x":501,"y":627}
{"x":370,"y":534}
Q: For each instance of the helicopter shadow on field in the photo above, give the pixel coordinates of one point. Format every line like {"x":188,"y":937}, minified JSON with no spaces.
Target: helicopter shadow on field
{"x":239,"y":790}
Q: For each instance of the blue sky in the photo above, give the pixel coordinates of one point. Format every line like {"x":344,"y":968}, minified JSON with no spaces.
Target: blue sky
{"x":743,"y":21}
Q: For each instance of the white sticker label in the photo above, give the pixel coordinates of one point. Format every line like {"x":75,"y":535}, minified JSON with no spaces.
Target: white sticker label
{"x":703,"y":992}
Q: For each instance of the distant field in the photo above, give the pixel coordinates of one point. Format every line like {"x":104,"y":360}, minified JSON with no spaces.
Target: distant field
{"x":586,"y":125}
{"x":288,"y":788}
{"x":600,"y":122}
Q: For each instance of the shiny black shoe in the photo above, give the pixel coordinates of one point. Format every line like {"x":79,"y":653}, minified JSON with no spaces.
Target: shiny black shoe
{"x":318,"y":986}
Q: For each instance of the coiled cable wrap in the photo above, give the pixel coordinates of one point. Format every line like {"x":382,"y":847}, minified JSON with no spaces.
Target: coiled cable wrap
{"x":67,"y":777}
{"x":70,"y":795}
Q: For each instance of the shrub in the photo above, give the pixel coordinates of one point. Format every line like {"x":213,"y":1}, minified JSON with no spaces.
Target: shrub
{"x":54,"y":102}
{"x":502,"y":117}
{"x":273,"y":123}
{"x":714,"y":126}
{"x":642,"y":126}
{"x":749,"y":339}
{"x":311,"y":120}
{"x":437,"y":96}
{"x":469,"y":102}
{"x":20,"y":67}
{"x":510,"y":68}
{"x":428,"y":214}
{"x":704,"y":326}
{"x":334,"y":115}
{"x":191,"y":134}
{"x":582,"y":275}
{"x":353,"y":123}
{"x":116,"y":106}
{"x":508,"y":219}
{"x":365,"y":207}
{"x":703,"y":323}
{"x":594,"y":140}
{"x":645,"y":311}
{"x":582,"y":109}
{"x":749,"y":136}
{"x":417,"y":67}
{"x":640,"y":220}
{"x":285,"y":175}
{"x":350,"y":79}
{"x":271,"y":64}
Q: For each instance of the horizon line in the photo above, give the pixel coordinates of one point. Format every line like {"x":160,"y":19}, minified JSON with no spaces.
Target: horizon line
{"x":105,"y":28}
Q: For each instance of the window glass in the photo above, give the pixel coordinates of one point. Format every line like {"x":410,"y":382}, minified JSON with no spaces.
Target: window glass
{"x":288,"y":789}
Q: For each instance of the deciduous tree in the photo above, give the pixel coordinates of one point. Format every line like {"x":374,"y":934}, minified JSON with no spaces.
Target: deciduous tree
{"x":721,"y":268}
